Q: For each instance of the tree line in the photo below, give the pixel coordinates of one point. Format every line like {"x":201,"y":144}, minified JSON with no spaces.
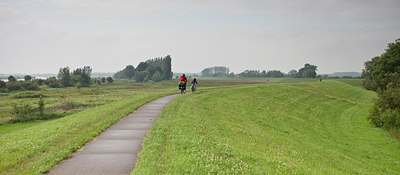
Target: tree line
{"x":382,"y":75}
{"x":308,"y":71}
{"x":156,"y":69}
{"x":79,"y":77}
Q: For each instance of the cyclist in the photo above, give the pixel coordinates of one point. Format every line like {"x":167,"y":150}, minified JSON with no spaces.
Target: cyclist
{"x":182,"y":83}
{"x":193,"y":87}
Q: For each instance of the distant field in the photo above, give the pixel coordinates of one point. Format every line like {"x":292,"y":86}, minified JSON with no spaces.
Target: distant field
{"x":285,"y":128}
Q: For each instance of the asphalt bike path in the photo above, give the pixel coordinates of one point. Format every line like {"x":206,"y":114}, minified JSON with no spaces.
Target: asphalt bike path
{"x":115,"y":150}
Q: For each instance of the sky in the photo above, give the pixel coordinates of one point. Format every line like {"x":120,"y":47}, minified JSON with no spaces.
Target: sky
{"x":41,"y":36}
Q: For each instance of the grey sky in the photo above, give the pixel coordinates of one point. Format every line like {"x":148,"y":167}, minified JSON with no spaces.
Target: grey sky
{"x":40,"y":36}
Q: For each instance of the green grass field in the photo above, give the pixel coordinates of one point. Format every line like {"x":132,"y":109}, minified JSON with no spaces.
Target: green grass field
{"x":36,"y":146}
{"x":286,"y":128}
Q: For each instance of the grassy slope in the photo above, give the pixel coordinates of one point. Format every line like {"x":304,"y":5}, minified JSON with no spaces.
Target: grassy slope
{"x":306,"y":128}
{"x":35,"y":149}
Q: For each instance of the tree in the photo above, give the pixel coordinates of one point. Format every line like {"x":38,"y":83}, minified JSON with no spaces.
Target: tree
{"x":292,"y":73}
{"x":87,"y":70}
{"x":110,"y":80}
{"x":79,"y":75}
{"x":64,"y":77}
{"x":308,"y":71}
{"x":274,"y":73}
{"x":142,"y":76}
{"x":28,"y":78}
{"x":3,"y":85}
{"x":142,"y":66}
{"x":151,"y":66}
{"x":103,"y":80}
{"x":382,"y":74}
{"x":41,"y":105}
{"x":156,"y":76}
{"x":166,"y":68}
{"x":216,"y":71}
{"x":12,"y":79}
{"x":53,"y":82}
{"x":129,"y":71}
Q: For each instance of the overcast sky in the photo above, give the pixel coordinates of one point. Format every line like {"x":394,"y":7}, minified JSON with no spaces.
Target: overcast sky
{"x":40,"y":36}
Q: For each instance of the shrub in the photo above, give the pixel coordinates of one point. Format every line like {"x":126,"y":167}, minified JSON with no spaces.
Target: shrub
{"x":103,"y":80}
{"x":41,"y":105}
{"x":29,"y":85}
{"x":39,"y":82}
{"x":22,"y":109}
{"x":12,"y":79}
{"x":110,"y":79}
{"x":156,"y":76}
{"x":2,"y":85}
{"x":14,"y":86}
{"x":53,"y":82}
{"x":382,"y":74}
{"x":28,"y":78}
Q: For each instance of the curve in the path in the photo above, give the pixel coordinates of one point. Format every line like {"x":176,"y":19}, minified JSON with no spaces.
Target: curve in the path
{"x":115,"y":150}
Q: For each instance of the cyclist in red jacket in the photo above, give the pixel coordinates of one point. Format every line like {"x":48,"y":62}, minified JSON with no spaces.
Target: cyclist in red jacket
{"x":182,"y":82}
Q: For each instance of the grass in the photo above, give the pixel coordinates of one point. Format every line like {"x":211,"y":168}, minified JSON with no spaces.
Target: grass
{"x":288,"y":128}
{"x":36,"y":148}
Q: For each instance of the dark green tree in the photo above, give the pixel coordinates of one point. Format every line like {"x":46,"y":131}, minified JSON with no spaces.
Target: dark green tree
{"x":129,"y":71}
{"x":79,"y":75}
{"x":103,"y":80}
{"x":292,"y":73}
{"x":87,"y":70}
{"x":110,"y":79}
{"x":3,"y":85}
{"x":142,"y":66}
{"x":308,"y":71}
{"x":64,"y":76}
{"x":382,"y":74}
{"x":28,"y":78}
{"x":142,"y":76}
{"x":41,"y":105}
{"x":157,"y":76}
{"x":53,"y":82}
{"x":11,"y":79}
{"x":275,"y":73}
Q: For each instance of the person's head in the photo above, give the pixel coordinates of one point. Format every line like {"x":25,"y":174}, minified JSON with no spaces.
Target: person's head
{"x":183,"y":75}
{"x":194,"y":79}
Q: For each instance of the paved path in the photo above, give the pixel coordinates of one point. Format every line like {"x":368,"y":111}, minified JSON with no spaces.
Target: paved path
{"x":115,"y":150}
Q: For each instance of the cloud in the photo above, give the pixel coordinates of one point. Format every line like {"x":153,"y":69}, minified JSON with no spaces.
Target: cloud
{"x":336,"y":35}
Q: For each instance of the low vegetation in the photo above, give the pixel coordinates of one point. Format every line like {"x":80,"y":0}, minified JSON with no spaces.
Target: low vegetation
{"x":35,"y":149}
{"x":297,"y":128}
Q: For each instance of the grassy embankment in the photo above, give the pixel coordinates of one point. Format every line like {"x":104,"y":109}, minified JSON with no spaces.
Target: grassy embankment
{"x":34,"y":147}
{"x":297,"y":128}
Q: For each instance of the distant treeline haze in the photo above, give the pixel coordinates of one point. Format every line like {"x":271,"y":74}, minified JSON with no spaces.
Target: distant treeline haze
{"x":308,"y":71}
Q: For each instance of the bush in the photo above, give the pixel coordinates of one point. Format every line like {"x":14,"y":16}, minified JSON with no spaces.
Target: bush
{"x":110,"y":79}
{"x":14,"y":86}
{"x":142,"y":76}
{"x":382,"y":74}
{"x":11,"y":79}
{"x":29,"y":85}
{"x":53,"y":82}
{"x":39,"y":82}
{"x":2,"y":85}
{"x":156,"y":76}
{"x":22,"y":110}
